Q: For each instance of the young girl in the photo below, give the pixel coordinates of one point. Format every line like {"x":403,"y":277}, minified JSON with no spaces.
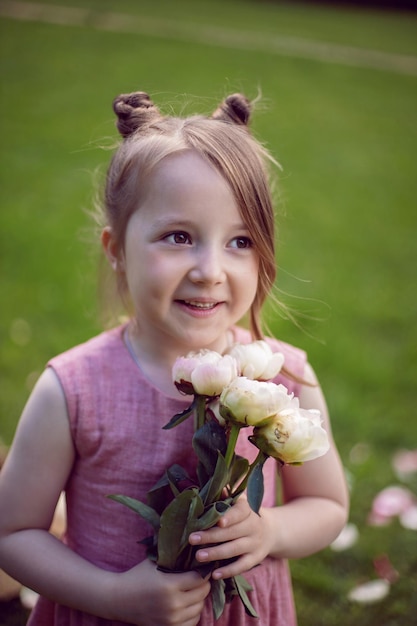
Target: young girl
{"x":189,"y":234}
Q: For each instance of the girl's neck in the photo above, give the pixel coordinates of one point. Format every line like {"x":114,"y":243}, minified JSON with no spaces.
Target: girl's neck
{"x":156,"y":370}
{"x":156,"y":364}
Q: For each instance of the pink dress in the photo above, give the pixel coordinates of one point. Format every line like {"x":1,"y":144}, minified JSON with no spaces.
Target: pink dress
{"x":116,"y":416}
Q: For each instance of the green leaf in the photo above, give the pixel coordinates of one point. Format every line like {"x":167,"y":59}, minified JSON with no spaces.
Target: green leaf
{"x":210,"y":517}
{"x":195,"y":511}
{"x":207,"y":441}
{"x":173,"y":483}
{"x":218,"y":597}
{"x":238,"y":469}
{"x":255,"y":488}
{"x":151,"y":546}
{"x":230,"y":584}
{"x":180,"y":417}
{"x":204,"y":569}
{"x":243,"y":582}
{"x":242,"y":587}
{"x":171,"y":533}
{"x":145,"y":511}
{"x":177,"y":473}
{"x":161,"y":493}
{"x":213,"y":489}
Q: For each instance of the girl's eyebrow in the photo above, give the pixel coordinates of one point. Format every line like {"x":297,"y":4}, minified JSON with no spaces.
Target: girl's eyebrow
{"x":178,"y":222}
{"x":170,"y":221}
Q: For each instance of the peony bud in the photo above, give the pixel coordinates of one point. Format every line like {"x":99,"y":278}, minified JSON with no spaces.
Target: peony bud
{"x":256,"y":360}
{"x":294,"y":436}
{"x":251,"y":402}
{"x":204,"y":373}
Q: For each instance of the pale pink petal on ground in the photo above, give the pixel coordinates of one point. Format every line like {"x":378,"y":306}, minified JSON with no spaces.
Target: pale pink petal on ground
{"x":392,"y":501}
{"x":347,"y":538}
{"x":385,"y":569}
{"x":370,"y":592}
{"x":408,"y":519}
{"x":374,"y":519}
{"x":404,"y":463}
{"x":359,"y":453}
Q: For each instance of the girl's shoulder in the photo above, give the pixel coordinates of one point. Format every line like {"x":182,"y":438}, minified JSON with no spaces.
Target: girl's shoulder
{"x":92,"y":363}
{"x":107,"y":345}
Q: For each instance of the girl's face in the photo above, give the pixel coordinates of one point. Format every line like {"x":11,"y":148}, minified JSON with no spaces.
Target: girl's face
{"x":190,"y":265}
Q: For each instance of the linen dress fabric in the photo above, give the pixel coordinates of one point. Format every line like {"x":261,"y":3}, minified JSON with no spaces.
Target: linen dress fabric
{"x":116,"y":416}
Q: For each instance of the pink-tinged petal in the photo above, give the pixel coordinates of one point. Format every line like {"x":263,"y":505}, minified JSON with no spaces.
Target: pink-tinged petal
{"x":392,"y":501}
{"x":359,"y":453}
{"x":346,"y":539}
{"x":205,"y":372}
{"x":28,"y":598}
{"x":404,"y":463}
{"x":256,"y":360}
{"x":374,"y":519}
{"x":59,"y":522}
{"x":385,"y":569}
{"x":370,"y":592}
{"x":408,"y":519}
{"x":213,"y":411}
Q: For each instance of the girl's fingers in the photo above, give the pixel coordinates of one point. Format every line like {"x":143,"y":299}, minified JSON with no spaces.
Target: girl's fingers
{"x":228,"y":528}
{"x":192,"y":581}
{"x":222,"y":551}
{"x":240,"y":566}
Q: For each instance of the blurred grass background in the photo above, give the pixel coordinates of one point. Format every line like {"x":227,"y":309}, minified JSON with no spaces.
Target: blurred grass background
{"x":346,"y":137}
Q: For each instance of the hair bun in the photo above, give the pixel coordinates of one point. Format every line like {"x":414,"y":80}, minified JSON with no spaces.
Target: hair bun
{"x":133,"y":110}
{"x":235,"y":108}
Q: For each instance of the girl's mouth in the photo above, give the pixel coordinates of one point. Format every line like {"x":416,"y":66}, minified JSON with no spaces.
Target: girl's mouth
{"x":198,"y":305}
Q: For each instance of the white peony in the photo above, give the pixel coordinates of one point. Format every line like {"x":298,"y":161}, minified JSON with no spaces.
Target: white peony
{"x":252,"y":402}
{"x":205,"y":373}
{"x":256,"y":360}
{"x":293,"y":436}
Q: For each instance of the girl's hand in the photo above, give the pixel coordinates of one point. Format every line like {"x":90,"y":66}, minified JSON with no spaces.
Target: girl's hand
{"x":239,"y":533}
{"x":147,"y":597}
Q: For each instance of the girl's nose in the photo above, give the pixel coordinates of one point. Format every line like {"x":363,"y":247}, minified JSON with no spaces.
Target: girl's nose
{"x":208,"y":267}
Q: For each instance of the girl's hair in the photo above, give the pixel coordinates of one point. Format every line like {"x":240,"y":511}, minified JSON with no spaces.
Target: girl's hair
{"x":224,"y":141}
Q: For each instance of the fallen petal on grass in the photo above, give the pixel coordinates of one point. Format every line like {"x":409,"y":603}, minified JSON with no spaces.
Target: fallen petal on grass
{"x":404,"y":463}
{"x":360,"y":453}
{"x":374,"y":519}
{"x":390,"y":502}
{"x":370,"y":592}
{"x":385,"y":569}
{"x":408,"y":519}
{"x":347,"y":538}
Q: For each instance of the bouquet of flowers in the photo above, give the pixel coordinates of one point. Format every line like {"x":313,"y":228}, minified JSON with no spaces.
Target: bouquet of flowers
{"x":230,"y":392}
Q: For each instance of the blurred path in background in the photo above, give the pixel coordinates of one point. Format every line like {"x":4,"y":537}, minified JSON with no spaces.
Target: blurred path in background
{"x":210,"y":35}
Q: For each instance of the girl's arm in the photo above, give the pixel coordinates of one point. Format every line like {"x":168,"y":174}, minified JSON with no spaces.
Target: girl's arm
{"x":34,"y":474}
{"x":314,"y":512}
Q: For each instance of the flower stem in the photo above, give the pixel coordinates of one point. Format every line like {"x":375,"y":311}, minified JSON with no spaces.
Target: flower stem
{"x":260,"y":458}
{"x":231,"y":444}
{"x":200,"y":411}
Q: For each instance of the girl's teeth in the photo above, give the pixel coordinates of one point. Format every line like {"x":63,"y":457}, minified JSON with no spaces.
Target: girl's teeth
{"x":201,"y":305}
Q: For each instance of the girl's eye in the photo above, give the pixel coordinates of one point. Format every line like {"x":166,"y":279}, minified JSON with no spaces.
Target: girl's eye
{"x":178,"y":238}
{"x":241,"y":242}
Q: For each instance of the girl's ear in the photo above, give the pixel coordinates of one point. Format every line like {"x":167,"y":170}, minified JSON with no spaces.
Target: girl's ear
{"x":111,"y":249}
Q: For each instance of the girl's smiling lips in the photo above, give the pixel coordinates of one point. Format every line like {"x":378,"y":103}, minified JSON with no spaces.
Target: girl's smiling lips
{"x":199,"y":305}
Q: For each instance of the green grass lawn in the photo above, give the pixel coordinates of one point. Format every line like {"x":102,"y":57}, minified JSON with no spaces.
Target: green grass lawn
{"x":346,"y":136}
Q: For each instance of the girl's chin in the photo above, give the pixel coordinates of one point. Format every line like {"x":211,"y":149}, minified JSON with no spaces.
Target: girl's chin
{"x":206,"y":341}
